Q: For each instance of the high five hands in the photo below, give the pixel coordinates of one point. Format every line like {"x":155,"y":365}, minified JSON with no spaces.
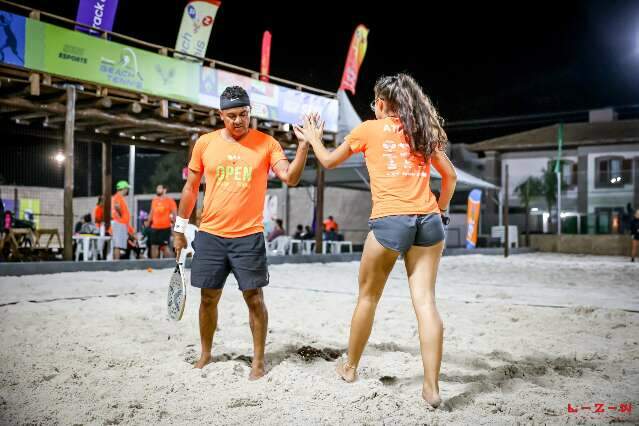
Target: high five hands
{"x":312,"y":129}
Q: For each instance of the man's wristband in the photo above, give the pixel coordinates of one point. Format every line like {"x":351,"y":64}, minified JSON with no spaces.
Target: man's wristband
{"x":180,"y":224}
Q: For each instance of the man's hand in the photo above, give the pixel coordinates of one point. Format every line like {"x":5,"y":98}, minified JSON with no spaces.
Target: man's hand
{"x":179,"y":242}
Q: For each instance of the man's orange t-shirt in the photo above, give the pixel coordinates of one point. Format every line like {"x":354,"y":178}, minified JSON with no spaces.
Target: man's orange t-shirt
{"x":236,"y":176}
{"x":400,"y":178}
{"x":125,"y":216}
{"x":161,"y":207}
{"x":98,"y":215}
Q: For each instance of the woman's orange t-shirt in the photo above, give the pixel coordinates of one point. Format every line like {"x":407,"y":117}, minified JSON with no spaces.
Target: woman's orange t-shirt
{"x":400,"y":179}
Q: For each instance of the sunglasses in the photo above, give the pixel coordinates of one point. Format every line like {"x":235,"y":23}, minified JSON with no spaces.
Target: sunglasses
{"x":373,"y":104}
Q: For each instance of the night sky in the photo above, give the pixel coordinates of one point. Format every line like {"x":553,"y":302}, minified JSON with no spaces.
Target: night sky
{"x":475,"y":60}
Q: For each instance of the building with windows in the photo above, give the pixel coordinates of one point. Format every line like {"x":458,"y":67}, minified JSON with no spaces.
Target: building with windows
{"x":599,"y":173}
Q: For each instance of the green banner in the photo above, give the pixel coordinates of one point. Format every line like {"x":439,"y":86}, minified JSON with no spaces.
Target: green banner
{"x":63,"y":52}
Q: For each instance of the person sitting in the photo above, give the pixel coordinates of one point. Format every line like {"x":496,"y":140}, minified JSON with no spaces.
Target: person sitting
{"x":298,"y":233}
{"x":278,"y":231}
{"x":87,"y":226}
{"x":308,"y":233}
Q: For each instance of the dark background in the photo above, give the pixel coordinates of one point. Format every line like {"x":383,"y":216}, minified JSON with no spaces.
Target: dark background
{"x":476,"y":60}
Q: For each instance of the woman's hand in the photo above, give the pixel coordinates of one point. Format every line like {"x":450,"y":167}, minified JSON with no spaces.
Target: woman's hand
{"x":312,"y":130}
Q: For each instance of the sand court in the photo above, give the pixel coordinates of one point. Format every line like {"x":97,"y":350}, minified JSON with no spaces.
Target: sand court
{"x":524,"y":337}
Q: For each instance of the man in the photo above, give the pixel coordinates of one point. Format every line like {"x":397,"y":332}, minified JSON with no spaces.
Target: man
{"x":330,"y":225}
{"x":235,"y":161}
{"x":330,"y":229}
{"x":121,"y":216}
{"x":161,"y":219}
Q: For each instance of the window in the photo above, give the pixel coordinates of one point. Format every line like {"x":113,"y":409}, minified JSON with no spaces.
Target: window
{"x":612,"y":171}
{"x":568,"y":173}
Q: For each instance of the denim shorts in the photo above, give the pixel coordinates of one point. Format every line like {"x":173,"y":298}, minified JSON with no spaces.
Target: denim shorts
{"x":399,"y":233}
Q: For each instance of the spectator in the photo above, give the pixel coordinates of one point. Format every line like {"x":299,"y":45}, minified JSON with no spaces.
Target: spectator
{"x":121,"y":217}
{"x":330,"y":225}
{"x":161,"y":217}
{"x":88,"y":227}
{"x":98,"y":212}
{"x":308,"y":233}
{"x":299,"y":232}
{"x":278,"y":231}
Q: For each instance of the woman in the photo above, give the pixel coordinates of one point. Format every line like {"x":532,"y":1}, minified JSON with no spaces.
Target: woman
{"x":406,"y":218}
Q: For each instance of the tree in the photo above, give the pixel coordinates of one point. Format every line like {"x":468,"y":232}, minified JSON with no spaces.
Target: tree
{"x":550,"y":185}
{"x":527,"y":191}
{"x":168,"y":171}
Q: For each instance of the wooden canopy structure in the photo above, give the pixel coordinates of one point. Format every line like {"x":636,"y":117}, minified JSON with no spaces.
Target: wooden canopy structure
{"x":107,"y":115}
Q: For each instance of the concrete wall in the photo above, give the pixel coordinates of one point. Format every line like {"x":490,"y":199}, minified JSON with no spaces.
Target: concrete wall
{"x":610,"y":245}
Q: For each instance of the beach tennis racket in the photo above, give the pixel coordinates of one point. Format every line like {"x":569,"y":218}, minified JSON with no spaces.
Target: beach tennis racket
{"x":176,"y":297}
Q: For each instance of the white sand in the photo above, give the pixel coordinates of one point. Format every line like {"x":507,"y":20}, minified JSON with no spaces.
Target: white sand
{"x":507,"y":359}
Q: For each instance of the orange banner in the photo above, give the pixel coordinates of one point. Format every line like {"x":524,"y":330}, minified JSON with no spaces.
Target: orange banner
{"x":354,"y":58}
{"x":472,"y":218}
{"x":266,"y":56}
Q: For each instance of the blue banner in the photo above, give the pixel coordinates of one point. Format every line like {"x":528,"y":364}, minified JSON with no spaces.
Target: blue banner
{"x":12,"y":38}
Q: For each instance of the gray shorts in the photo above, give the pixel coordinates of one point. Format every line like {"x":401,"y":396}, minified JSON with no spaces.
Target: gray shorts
{"x":215,"y":257}
{"x":399,"y":233}
{"x":120,"y":235}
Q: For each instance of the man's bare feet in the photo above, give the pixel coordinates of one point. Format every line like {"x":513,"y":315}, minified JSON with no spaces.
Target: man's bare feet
{"x":347,"y":372}
{"x":203,"y":361}
{"x":257,"y":370}
{"x":431,"y":396}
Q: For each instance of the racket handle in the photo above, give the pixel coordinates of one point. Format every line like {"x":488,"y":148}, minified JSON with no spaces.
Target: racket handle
{"x":182,"y":258}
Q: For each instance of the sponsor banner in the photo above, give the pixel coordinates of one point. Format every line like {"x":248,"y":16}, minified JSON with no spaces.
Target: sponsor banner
{"x":472,"y":218}
{"x":12,"y":38}
{"x":195,"y":28}
{"x":97,"y":14}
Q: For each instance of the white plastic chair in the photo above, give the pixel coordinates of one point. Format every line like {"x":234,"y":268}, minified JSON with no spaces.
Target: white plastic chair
{"x":280,"y":246}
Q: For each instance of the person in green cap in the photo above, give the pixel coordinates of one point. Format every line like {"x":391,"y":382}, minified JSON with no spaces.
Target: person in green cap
{"x":121,"y":217}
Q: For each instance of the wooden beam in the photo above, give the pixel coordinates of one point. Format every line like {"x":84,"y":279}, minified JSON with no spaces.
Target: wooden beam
{"x":34,"y":87}
{"x":69,"y":128}
{"x":90,"y":113}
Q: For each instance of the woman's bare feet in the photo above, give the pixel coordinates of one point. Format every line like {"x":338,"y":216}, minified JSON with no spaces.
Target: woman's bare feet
{"x":257,"y":370}
{"x":431,"y":396}
{"x":347,"y":372}
{"x":203,"y":361}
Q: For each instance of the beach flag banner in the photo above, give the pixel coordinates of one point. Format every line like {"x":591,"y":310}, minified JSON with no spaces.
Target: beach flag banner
{"x":265,"y":64}
{"x":195,"y":29}
{"x":97,"y":14}
{"x":472,"y":218}
{"x":354,"y":59}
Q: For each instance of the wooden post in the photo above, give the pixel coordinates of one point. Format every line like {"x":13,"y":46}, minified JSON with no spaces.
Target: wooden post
{"x":132,"y":208}
{"x":319,"y":209}
{"x":89,"y":168}
{"x":106,"y":182}
{"x":69,"y":128}
{"x":506,"y":196}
